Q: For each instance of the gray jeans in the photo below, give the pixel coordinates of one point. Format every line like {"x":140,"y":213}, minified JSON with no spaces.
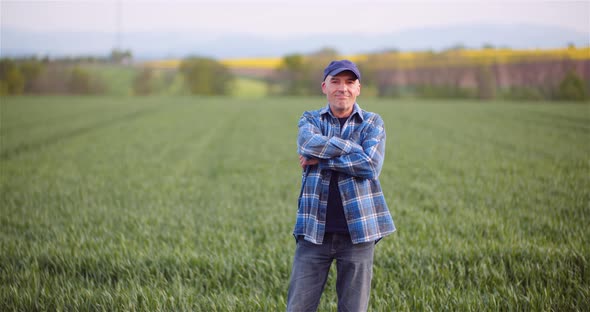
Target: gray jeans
{"x":354,"y":264}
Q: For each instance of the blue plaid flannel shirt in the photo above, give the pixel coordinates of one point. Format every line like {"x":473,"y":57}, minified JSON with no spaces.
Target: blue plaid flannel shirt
{"x":357,"y":154}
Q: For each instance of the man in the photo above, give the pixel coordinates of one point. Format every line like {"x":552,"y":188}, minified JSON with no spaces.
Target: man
{"x":342,"y":212}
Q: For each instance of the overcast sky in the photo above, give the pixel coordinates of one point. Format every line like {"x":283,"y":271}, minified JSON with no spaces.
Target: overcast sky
{"x":280,"y":18}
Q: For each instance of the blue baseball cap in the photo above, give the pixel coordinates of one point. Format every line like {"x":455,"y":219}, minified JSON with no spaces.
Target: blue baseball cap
{"x":337,"y":67}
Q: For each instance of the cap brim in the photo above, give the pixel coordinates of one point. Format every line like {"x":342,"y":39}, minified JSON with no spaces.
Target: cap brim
{"x":339,"y":70}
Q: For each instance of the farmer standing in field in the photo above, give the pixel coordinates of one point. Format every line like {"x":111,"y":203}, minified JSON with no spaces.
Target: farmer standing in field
{"x":342,"y":212}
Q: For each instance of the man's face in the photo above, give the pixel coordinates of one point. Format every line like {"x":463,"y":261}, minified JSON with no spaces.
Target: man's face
{"x":341,"y":91}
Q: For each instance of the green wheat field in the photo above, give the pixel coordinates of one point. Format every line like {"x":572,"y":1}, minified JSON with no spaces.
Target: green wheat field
{"x":188,"y":203}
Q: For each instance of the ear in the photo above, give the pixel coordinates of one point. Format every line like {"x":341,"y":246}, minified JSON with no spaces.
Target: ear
{"x":324,"y":88}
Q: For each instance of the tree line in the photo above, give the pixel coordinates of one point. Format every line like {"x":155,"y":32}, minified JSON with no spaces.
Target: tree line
{"x":447,"y":74}
{"x":88,"y":75}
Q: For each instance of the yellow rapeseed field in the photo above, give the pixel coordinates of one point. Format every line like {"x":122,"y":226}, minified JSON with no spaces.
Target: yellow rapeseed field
{"x":414,"y":59}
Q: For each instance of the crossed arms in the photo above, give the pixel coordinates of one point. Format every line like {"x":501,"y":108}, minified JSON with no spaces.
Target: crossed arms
{"x":362,"y":160}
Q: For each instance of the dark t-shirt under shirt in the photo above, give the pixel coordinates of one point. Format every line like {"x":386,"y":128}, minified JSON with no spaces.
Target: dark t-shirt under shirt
{"x":335,"y":219}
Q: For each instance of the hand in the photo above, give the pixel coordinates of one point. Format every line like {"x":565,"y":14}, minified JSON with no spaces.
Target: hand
{"x":303,"y":161}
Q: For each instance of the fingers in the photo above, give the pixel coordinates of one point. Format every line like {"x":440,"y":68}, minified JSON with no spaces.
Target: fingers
{"x":303,"y":161}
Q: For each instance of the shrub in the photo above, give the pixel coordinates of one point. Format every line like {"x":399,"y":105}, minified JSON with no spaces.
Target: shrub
{"x":206,"y":76}
{"x":143,"y":84}
{"x":82,"y":82}
{"x":572,"y":88}
{"x":12,"y":81}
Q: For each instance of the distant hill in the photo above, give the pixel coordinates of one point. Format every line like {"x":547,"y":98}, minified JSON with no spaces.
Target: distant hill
{"x":158,"y":45}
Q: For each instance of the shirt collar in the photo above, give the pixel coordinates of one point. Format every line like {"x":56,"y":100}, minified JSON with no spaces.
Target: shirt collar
{"x":355,"y":110}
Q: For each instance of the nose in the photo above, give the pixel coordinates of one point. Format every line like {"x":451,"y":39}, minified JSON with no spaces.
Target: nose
{"x":342,"y":87}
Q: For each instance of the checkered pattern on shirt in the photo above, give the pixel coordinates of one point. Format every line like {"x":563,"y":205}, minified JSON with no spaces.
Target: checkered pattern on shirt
{"x":357,"y":153}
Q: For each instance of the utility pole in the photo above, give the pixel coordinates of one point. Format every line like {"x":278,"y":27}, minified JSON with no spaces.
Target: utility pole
{"x":119,"y":16}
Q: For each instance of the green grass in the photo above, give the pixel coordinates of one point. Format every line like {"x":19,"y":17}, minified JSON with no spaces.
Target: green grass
{"x":188,"y":203}
{"x":249,"y":88}
{"x":118,"y":80}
